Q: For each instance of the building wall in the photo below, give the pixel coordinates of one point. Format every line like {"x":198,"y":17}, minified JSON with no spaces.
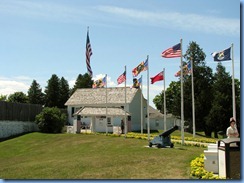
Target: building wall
{"x":135,"y":110}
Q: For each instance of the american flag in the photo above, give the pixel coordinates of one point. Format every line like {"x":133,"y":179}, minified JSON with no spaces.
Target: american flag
{"x":88,"y":54}
{"x":121,"y":78}
{"x":172,"y":52}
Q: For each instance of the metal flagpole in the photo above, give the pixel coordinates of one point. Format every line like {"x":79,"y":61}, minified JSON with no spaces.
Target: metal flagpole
{"x":148,"y":123}
{"x":141,"y":108}
{"x":182,"y":99}
{"x":125,"y":105}
{"x":164,"y":103}
{"x":106,"y":106}
{"x":193,"y":100}
{"x":233,"y":84}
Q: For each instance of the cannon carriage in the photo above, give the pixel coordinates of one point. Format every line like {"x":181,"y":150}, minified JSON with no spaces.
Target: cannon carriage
{"x":163,"y":140}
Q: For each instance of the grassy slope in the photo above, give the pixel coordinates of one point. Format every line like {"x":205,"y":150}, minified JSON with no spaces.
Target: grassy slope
{"x":82,"y":156}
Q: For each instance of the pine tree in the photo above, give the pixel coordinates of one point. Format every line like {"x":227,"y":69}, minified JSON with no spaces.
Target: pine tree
{"x":82,"y":81}
{"x":35,"y":94}
{"x":64,"y":92}
{"x":221,"y":109}
{"x":52,"y":92}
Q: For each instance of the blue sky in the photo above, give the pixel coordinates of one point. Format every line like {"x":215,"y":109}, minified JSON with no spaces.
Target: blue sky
{"x":44,"y":37}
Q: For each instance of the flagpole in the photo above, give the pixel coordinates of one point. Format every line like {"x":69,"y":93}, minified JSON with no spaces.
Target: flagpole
{"x":141,"y":108}
{"x":193,"y":100}
{"x":148,"y":124}
{"x":233,"y":83}
{"x":125,"y":104}
{"x":164,"y":102}
{"x":106,"y":106}
{"x":182,"y":97}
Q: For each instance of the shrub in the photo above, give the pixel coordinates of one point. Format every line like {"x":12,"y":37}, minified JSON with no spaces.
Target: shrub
{"x":198,"y":171}
{"x":51,"y":120}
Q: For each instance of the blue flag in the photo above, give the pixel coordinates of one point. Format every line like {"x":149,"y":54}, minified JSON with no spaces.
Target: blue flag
{"x":222,"y":55}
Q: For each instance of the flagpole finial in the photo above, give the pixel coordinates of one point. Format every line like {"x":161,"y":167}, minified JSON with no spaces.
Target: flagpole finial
{"x":87,"y":28}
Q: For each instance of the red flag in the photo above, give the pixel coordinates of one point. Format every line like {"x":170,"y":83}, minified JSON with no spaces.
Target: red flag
{"x":158,"y":77}
{"x":172,"y":52}
{"x":121,"y":78}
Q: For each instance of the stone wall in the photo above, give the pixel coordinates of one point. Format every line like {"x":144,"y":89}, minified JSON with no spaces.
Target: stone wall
{"x":13,"y":128}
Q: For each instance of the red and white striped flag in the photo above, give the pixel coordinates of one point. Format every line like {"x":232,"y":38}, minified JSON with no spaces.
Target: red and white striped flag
{"x":172,"y":52}
{"x":88,"y":54}
{"x":121,"y":78}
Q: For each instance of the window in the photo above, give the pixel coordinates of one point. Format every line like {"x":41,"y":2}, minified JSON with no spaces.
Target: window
{"x":157,"y":123}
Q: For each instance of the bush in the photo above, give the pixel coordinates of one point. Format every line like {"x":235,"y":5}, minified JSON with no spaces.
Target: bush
{"x":51,"y":120}
{"x":198,"y":171}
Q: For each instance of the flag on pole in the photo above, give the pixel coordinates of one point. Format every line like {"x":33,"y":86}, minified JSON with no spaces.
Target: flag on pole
{"x":158,"y":77}
{"x":138,"y":69}
{"x":145,"y":65}
{"x":88,"y":54}
{"x":186,"y":70}
{"x":100,"y":83}
{"x":137,"y":82}
{"x":222,"y":55}
{"x":172,"y":52}
{"x":121,"y":78}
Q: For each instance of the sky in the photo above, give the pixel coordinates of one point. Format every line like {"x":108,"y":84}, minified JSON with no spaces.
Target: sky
{"x":45,"y":37}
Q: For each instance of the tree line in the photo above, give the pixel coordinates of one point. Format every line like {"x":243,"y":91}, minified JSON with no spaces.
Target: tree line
{"x":212,"y":95}
{"x":56,"y":93}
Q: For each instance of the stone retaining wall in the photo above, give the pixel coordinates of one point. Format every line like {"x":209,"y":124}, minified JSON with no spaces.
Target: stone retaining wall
{"x":13,"y":128}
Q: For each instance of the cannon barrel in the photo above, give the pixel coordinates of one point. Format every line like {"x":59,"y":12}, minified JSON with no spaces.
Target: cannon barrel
{"x":168,"y":132}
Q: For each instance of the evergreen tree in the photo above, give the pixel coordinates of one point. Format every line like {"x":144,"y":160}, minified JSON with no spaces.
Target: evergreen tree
{"x":35,"y":94}
{"x":221,"y":109}
{"x":52,"y":92}
{"x":82,"y":81}
{"x":3,"y":97}
{"x":64,"y":92}
{"x":18,"y":97}
{"x":203,"y":79}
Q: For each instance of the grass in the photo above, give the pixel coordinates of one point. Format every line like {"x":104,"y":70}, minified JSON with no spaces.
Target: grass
{"x":89,"y":156}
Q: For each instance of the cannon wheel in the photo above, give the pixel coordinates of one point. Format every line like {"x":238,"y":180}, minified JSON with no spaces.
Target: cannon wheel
{"x":150,"y":144}
{"x":159,"y":146}
{"x":171,"y":145}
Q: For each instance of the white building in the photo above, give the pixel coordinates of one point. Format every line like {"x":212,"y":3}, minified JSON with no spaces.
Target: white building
{"x":91,"y":106}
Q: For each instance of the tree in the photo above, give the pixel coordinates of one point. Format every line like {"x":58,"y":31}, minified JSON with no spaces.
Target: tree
{"x":3,"y":97}
{"x":172,"y":98}
{"x":35,"y":94}
{"x":203,"y":79}
{"x":64,"y":92}
{"x":51,"y":120}
{"x":221,"y":108}
{"x":82,"y":81}
{"x":18,"y":97}
{"x":52,"y":92}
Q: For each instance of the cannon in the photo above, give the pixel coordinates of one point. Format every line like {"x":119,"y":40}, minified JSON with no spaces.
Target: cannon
{"x":163,"y":139}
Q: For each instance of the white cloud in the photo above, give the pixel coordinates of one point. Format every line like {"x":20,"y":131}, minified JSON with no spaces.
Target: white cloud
{"x":10,"y":86}
{"x":187,"y":22}
{"x":98,"y":14}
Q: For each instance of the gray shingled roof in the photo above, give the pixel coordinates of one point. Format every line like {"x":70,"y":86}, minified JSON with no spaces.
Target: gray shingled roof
{"x":97,"y":96}
{"x":101,"y":111}
{"x":153,"y":113}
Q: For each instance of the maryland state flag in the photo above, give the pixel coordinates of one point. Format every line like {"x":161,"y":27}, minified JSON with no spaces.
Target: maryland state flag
{"x":138,"y":69}
{"x":222,"y":55}
{"x":186,"y":70}
{"x":100,"y":83}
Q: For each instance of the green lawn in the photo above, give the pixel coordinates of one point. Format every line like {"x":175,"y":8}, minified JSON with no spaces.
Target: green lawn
{"x":89,"y":156}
